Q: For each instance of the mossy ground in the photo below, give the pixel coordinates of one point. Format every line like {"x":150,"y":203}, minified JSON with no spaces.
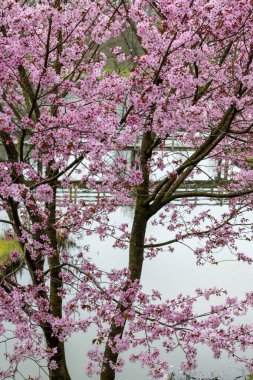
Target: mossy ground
{"x":6,"y":247}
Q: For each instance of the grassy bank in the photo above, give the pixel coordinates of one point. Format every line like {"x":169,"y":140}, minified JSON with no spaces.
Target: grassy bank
{"x":6,"y":247}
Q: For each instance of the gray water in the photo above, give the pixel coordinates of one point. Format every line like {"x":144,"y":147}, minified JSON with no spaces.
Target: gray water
{"x":170,"y":273}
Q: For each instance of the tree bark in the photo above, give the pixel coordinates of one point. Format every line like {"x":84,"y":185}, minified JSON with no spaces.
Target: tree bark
{"x":61,"y":372}
{"x":55,"y":300}
{"x":136,"y":250}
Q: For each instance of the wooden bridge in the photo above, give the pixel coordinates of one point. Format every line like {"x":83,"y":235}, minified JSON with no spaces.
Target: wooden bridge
{"x":131,"y":153}
{"x":79,"y":192}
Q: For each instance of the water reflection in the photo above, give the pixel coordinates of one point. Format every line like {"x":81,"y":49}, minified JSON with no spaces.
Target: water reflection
{"x":171,"y":274}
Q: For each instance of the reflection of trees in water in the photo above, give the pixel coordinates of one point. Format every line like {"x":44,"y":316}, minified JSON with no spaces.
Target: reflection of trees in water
{"x":189,"y":377}
{"x":128,"y":211}
{"x":64,"y":242}
{"x":9,"y":270}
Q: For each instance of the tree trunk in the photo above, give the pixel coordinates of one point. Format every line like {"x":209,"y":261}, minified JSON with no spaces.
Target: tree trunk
{"x":136,"y":248}
{"x":61,"y":372}
{"x":56,"y":284}
{"x":136,"y":252}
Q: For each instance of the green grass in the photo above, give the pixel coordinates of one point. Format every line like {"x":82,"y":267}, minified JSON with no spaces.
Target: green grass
{"x":249,"y":161}
{"x":122,"y":71}
{"x":6,"y":247}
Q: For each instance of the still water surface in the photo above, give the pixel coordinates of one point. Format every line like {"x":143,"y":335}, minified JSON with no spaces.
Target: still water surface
{"x":171,"y":274}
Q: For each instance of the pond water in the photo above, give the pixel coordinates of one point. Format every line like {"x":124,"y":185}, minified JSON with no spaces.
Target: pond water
{"x":171,"y":274}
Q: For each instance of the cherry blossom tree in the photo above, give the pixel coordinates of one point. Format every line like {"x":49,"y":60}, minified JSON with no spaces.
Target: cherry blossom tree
{"x":80,"y":83}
